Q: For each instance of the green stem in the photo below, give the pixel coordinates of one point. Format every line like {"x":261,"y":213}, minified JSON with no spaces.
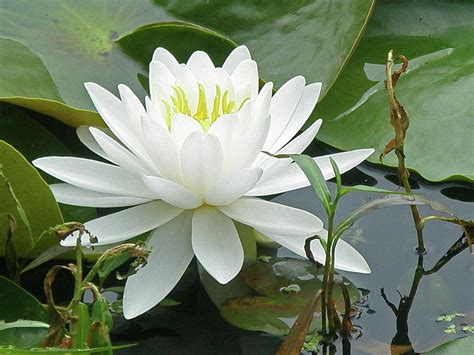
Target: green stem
{"x":74,"y":305}
{"x":326,"y":309}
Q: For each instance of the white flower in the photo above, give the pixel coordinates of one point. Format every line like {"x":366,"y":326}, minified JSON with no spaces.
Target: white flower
{"x":190,"y":163}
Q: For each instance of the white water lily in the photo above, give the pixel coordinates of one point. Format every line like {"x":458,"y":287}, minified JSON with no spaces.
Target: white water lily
{"x":191,"y":163}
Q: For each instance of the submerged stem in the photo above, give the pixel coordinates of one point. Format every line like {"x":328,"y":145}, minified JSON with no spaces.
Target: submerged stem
{"x":74,"y":305}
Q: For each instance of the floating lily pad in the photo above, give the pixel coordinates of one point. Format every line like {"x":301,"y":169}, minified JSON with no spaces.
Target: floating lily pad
{"x":35,"y":197}
{"x":281,"y":287}
{"x":311,"y":38}
{"x":64,"y":44}
{"x":438,"y":39}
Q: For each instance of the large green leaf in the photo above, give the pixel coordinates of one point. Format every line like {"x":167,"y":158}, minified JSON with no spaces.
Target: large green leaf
{"x":65,"y":43}
{"x":454,"y":347}
{"x":19,"y":306}
{"x":438,"y":39}
{"x":313,"y":38}
{"x":35,"y":197}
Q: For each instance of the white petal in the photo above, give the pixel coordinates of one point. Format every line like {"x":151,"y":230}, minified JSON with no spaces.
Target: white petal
{"x":228,"y":130}
{"x":172,"y":193}
{"x":117,"y":153}
{"x":284,"y":103}
{"x":300,"y":116}
{"x":347,"y":258}
{"x":232,"y":186}
{"x":202,"y":66}
{"x":272,"y":165}
{"x":164,"y":56}
{"x":94,"y":175}
{"x":185,"y":79}
{"x":89,"y":141}
{"x":72,"y":195}
{"x":114,"y":114}
{"x":250,"y":144}
{"x":273,"y":218}
{"x":292,"y":177}
{"x":263,"y":101}
{"x":128,"y":223}
{"x":201,"y":162}
{"x":162,"y":148}
{"x":216,"y":244}
{"x":171,"y":253}
{"x":133,"y":107}
{"x":246,"y":73}
{"x":237,"y":56}
{"x":182,"y":126}
{"x":159,"y":73}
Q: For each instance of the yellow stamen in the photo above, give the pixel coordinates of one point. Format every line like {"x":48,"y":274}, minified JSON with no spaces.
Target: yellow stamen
{"x":201,"y":112}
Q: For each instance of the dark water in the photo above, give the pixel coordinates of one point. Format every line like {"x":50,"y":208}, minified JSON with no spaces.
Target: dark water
{"x":387,"y":239}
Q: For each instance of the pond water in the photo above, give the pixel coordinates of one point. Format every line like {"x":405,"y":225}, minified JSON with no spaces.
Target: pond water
{"x":387,"y":239}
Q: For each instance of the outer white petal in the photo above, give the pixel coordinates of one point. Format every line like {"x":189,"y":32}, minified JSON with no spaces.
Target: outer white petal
{"x":284,"y":103}
{"x":164,"y":56}
{"x":128,"y":223}
{"x":308,"y":101}
{"x":88,"y":140}
{"x":291,"y":177}
{"x":182,"y":126}
{"x":237,"y":56}
{"x":272,"y":165}
{"x":117,"y":153}
{"x":114,"y":114}
{"x":133,"y":107}
{"x":170,"y":256}
{"x":228,"y":130}
{"x":94,"y":175}
{"x":216,"y":244}
{"x":73,"y":195}
{"x":201,"y":162}
{"x":347,"y":258}
{"x":273,"y":218}
{"x":172,"y":192}
{"x":232,"y":186}
{"x":246,"y":72}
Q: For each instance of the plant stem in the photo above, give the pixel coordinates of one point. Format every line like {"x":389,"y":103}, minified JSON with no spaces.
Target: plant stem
{"x":74,"y":306}
{"x":403,"y":173}
{"x":326,"y":300}
{"x":399,"y":120}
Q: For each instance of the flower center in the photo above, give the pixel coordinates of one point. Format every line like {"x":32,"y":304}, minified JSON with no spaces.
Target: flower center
{"x":206,"y":116}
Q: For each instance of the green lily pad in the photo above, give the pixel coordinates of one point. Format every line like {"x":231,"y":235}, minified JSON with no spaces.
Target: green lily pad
{"x":281,"y":287}
{"x":454,"y":347}
{"x":35,"y":197}
{"x":65,"y":44}
{"x":438,"y":39}
{"x":18,"y":309}
{"x":310,"y":38}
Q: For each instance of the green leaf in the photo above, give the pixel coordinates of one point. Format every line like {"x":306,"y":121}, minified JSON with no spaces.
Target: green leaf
{"x":437,"y":37}
{"x":20,"y":314}
{"x":311,"y":38}
{"x":50,"y":253}
{"x":383,"y":202}
{"x":181,"y":38}
{"x":35,"y":197}
{"x":67,"y":43}
{"x":8,"y":349}
{"x":315,"y":177}
{"x":365,"y":188}
{"x":454,"y":347}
